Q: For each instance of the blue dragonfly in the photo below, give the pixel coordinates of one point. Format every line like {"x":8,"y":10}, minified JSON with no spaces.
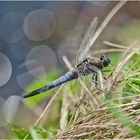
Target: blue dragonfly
{"x":84,"y":66}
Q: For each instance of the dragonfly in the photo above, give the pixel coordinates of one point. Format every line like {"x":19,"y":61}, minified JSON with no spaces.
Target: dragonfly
{"x":84,"y":66}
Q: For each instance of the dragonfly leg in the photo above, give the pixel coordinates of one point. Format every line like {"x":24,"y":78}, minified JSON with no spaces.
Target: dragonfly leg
{"x":95,"y":80}
{"x":105,"y":78}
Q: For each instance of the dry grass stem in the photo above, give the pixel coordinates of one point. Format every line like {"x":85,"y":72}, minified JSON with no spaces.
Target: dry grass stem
{"x":111,"y":14}
{"x":121,"y":46}
{"x":67,"y":62}
{"x":64,"y":112}
{"x":45,"y":110}
{"x":102,"y":51}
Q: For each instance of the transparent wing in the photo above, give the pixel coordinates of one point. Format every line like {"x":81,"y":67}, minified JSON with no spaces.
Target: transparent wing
{"x":85,"y":44}
{"x":69,"y":46}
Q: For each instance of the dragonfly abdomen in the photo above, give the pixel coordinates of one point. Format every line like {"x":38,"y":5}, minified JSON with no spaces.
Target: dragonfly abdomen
{"x":67,"y":77}
{"x":73,"y":74}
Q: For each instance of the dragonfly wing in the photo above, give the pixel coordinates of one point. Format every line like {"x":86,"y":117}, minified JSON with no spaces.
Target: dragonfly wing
{"x":85,"y":44}
{"x":71,"y":43}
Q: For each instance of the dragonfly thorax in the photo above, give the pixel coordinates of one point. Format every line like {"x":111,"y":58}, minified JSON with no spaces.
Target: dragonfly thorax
{"x":84,"y":68}
{"x":89,"y":65}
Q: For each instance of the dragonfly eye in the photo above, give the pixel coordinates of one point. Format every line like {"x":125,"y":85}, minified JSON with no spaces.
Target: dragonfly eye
{"x":105,"y":60}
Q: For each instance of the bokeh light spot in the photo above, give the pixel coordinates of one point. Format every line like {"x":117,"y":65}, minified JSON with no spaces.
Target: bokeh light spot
{"x":11,"y":26}
{"x":39,"y":24}
{"x":43,"y":57}
{"x":10,"y":108}
{"x":5,"y":69}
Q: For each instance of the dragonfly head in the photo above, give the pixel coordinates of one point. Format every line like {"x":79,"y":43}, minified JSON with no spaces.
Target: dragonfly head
{"x":105,"y":60}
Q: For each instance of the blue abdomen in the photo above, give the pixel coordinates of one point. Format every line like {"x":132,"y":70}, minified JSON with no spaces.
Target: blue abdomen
{"x":67,"y":77}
